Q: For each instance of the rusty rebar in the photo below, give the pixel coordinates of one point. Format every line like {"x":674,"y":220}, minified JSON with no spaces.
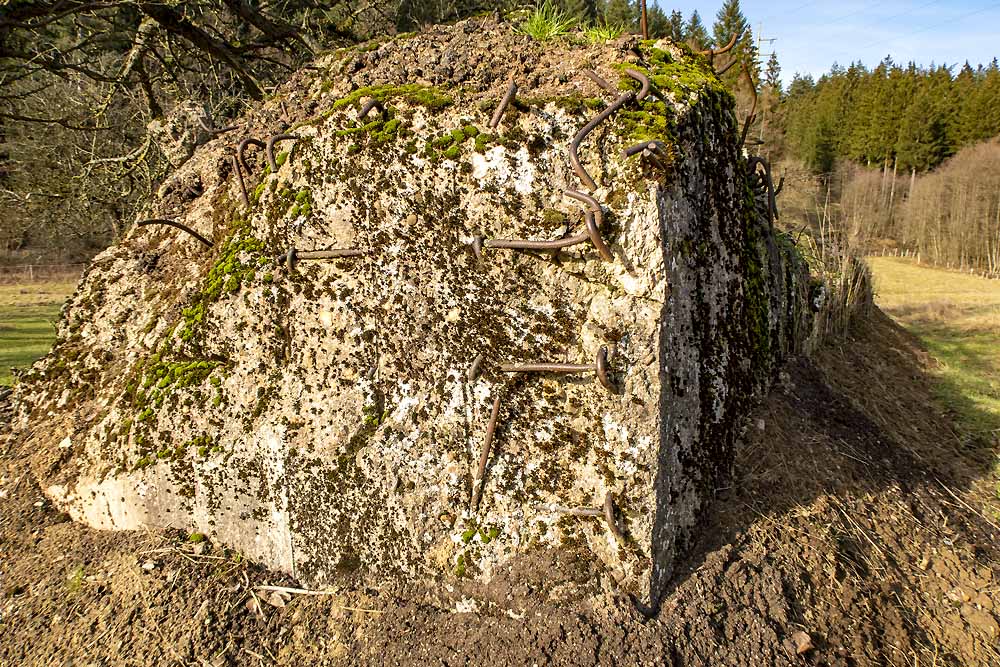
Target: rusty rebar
{"x":593,"y":223}
{"x":599,"y":367}
{"x":767,"y":183}
{"x":242,"y":148}
{"x":270,"y":148}
{"x":753,"y":109}
{"x":572,"y":511}
{"x":475,"y":368}
{"x":369,"y":105}
{"x":243,"y":186}
{"x":727,"y":67}
{"x":484,"y":457}
{"x":643,"y":80}
{"x":643,"y":24}
{"x":607,"y":511}
{"x":524,"y":244}
{"x":211,"y":129}
{"x":590,"y":233}
{"x":177,"y":225}
{"x":622,"y":100}
{"x":504,"y":103}
{"x":292,"y":255}
{"x":574,"y":146}
{"x":609,"y":517}
{"x":600,"y":81}
{"x":655,"y":146}
{"x":725,"y":49}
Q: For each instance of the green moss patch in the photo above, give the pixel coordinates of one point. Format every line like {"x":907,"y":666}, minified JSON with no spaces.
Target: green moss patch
{"x":412,"y":93}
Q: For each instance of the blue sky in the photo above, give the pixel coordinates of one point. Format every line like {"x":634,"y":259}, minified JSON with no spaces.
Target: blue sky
{"x":810,"y":36}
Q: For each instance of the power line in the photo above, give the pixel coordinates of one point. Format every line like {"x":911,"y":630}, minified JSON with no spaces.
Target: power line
{"x":932,"y":27}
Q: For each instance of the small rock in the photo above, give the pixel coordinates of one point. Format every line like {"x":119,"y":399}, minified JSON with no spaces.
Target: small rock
{"x":760,"y":425}
{"x":958,"y":594}
{"x":149,"y":566}
{"x":803,"y":642}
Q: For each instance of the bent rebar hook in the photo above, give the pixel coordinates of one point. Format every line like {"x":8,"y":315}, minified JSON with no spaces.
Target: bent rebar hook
{"x":622,"y":100}
{"x":176,"y":225}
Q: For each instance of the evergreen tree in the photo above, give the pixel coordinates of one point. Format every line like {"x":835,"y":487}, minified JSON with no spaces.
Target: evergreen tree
{"x":802,"y":84}
{"x":622,"y":12}
{"x":695,"y":33}
{"x":676,"y":26}
{"x":922,"y":142}
{"x":731,"y":21}
{"x":657,"y":22}
{"x":772,"y":77}
{"x":584,"y":11}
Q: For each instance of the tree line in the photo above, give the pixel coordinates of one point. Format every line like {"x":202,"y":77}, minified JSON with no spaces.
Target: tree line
{"x":908,"y":117}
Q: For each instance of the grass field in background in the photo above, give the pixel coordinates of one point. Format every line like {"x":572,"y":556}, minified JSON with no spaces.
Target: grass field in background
{"x":957,"y":316}
{"x":28,"y":314}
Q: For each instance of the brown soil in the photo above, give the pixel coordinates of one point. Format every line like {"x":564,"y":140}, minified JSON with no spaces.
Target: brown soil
{"x":861,"y":531}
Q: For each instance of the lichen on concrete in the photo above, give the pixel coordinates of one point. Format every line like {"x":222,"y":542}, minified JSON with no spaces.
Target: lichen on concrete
{"x":321,"y":418}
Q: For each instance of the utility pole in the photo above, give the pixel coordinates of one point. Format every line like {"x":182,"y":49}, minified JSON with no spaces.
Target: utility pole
{"x":762,"y":63}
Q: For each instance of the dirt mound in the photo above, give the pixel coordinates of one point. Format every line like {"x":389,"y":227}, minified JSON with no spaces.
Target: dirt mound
{"x":852,"y":536}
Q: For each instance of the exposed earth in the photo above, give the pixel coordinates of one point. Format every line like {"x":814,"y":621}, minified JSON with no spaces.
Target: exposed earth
{"x":858,"y":532}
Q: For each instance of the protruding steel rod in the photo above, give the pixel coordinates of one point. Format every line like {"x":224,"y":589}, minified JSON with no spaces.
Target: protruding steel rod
{"x":607,"y":511}
{"x":590,"y":232}
{"x":211,"y":129}
{"x":599,"y":367}
{"x":369,"y":105}
{"x":292,"y":255}
{"x":643,"y":146}
{"x":622,"y":100}
{"x":504,"y":103}
{"x":753,"y":109}
{"x":600,"y":81}
{"x":177,"y":225}
{"x":574,"y":146}
{"x":270,"y":148}
{"x":725,"y":49}
{"x":726,"y":68}
{"x":572,"y":511}
{"x":476,"y":368}
{"x":767,"y":183}
{"x":594,"y":223}
{"x":643,"y":24}
{"x":484,"y":457}
{"x":642,"y":79}
{"x":243,"y":186}
{"x":241,"y":150}
{"x":609,"y":517}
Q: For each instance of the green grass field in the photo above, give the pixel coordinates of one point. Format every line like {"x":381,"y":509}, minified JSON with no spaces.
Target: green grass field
{"x":28,"y":315}
{"x":957,"y":316}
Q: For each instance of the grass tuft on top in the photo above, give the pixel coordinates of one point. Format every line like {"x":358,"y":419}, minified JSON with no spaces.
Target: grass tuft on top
{"x":547,"y":22}
{"x":598,"y":33}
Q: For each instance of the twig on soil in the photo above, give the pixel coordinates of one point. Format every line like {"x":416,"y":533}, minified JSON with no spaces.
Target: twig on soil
{"x":966,"y":505}
{"x":304,"y":591}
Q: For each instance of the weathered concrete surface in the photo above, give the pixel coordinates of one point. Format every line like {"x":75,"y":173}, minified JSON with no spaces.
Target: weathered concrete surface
{"x":322,"y":419}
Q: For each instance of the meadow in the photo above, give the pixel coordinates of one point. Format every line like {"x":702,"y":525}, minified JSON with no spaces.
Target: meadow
{"x":29,"y":313}
{"x":957,"y":317}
